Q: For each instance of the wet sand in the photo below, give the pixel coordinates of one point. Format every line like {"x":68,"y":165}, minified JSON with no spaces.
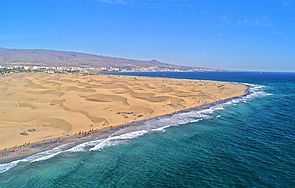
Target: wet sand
{"x":41,"y":108}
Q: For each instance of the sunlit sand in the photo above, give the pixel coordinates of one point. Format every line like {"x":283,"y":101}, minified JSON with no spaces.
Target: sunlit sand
{"x":39,"y":107}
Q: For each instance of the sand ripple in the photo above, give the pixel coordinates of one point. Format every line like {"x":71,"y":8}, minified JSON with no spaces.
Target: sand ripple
{"x":37,"y":107}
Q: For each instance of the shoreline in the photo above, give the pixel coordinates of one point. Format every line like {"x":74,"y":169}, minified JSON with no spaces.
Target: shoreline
{"x":19,"y":153}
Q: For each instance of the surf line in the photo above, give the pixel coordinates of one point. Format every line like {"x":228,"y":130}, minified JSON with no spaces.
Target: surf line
{"x":121,"y":135}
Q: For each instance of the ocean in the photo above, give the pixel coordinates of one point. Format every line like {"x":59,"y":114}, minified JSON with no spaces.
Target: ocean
{"x":244,"y":142}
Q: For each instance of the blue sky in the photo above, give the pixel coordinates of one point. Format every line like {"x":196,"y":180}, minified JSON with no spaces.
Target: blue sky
{"x":230,"y":34}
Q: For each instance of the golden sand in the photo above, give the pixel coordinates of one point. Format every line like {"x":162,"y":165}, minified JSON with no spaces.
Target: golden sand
{"x":38,"y":107}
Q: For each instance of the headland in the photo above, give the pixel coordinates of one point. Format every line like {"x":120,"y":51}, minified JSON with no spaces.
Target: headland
{"x":44,"y":108}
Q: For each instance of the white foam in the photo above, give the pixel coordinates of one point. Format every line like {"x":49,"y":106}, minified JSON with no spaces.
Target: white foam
{"x":161,"y":129}
{"x":154,"y":125}
{"x":45,"y":157}
{"x":7,"y":166}
{"x":34,"y":158}
{"x":81,"y":147}
{"x":106,"y":143}
{"x":119,"y":139}
{"x":198,"y":115}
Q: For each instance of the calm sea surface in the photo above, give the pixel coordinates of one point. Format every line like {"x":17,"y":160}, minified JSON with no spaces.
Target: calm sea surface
{"x":245,"y":142}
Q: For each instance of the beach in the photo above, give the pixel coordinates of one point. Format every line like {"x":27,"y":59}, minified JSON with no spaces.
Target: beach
{"x":38,"y":107}
{"x":231,"y":142}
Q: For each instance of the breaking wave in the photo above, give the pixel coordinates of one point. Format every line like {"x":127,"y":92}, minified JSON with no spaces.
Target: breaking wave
{"x":128,"y":133}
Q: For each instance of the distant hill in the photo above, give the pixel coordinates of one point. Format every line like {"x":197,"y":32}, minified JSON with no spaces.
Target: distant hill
{"x":40,"y":57}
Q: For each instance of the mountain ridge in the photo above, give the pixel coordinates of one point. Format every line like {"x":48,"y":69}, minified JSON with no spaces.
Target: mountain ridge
{"x":45,"y":57}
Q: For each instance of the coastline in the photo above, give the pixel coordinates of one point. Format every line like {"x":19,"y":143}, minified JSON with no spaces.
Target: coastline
{"x":13,"y":154}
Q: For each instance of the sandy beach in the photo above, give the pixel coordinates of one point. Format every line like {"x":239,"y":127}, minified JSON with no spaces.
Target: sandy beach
{"x":40,"y":107}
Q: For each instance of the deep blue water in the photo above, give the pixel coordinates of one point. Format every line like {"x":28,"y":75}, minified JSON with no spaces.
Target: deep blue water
{"x":248,"y":142}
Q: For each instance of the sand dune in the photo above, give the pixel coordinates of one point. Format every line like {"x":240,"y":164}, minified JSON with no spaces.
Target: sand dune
{"x":106,"y":98}
{"x":37,"y":107}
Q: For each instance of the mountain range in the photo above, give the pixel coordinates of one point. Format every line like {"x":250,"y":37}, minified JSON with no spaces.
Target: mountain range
{"x":41,"y":57}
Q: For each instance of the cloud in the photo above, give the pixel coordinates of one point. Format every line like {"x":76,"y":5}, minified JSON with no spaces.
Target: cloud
{"x":112,"y":1}
{"x":13,"y":36}
{"x":263,"y":22}
{"x":285,"y":2}
{"x":244,"y":21}
{"x":278,"y":33}
{"x":220,"y":34}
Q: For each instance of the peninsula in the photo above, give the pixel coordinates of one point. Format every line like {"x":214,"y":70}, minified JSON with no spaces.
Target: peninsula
{"x":38,"y":107}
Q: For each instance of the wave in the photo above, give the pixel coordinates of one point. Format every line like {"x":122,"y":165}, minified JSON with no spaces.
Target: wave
{"x":34,"y":158}
{"x":160,"y":124}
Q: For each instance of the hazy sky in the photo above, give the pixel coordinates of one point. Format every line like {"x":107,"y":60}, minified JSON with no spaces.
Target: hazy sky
{"x":231,"y":34}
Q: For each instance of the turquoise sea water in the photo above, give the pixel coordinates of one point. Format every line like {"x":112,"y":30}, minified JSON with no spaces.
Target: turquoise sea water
{"x":245,"y":142}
